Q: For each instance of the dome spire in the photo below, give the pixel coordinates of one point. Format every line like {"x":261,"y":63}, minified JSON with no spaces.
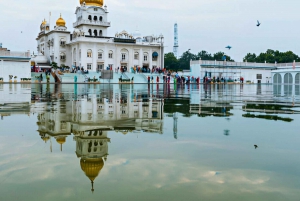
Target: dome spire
{"x":92,"y":186}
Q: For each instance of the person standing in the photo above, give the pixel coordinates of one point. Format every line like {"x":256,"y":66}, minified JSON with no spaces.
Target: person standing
{"x":148,"y":79}
{"x":157,"y":79}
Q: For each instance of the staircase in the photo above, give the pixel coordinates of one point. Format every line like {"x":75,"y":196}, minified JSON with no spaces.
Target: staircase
{"x":56,"y":76}
{"x":124,"y":76}
{"x":144,"y":76}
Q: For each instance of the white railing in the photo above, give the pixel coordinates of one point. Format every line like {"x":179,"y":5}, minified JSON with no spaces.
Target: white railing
{"x":14,"y":54}
{"x":91,"y":22}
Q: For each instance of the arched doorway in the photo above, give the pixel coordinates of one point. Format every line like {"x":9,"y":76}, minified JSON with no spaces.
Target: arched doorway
{"x":277,"y":79}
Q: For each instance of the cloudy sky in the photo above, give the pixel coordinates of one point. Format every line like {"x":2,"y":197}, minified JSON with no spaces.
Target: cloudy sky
{"x":203,"y":25}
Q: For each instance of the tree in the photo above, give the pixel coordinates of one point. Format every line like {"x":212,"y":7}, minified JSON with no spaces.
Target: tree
{"x":271,"y":56}
{"x":219,"y":56}
{"x":250,"y":57}
{"x":54,"y":65}
{"x":204,"y":55}
{"x":171,"y":62}
{"x":184,"y":61}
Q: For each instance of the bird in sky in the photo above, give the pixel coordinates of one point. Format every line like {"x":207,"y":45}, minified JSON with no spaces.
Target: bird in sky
{"x":228,"y":47}
{"x":258,"y":23}
{"x":255,"y":146}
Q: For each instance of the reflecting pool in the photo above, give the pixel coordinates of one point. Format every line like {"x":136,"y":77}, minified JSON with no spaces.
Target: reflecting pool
{"x":149,"y":142}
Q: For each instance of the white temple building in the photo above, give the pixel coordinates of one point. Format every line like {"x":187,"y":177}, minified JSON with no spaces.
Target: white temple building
{"x":89,"y":46}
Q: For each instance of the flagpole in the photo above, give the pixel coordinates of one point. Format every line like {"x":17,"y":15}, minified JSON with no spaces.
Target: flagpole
{"x":49,"y":19}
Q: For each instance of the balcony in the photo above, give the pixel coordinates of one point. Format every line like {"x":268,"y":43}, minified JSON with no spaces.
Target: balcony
{"x":91,"y":22}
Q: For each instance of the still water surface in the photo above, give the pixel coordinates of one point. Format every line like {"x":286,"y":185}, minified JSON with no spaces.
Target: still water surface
{"x":149,"y":142}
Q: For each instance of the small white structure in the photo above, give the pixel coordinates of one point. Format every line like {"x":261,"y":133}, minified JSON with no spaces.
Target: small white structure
{"x":14,"y":65}
{"x":234,"y":71}
{"x":90,"y":47}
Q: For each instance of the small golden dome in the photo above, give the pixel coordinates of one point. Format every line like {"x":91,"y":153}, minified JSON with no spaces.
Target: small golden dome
{"x":92,"y":167}
{"x":45,"y":139}
{"x":61,"y":140}
{"x":44,"y":22}
{"x":92,"y":2}
{"x":60,"y":22}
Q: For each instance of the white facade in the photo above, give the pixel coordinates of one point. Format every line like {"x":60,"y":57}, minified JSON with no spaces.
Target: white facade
{"x":14,"y":65}
{"x":250,"y":72}
{"x":90,"y":47}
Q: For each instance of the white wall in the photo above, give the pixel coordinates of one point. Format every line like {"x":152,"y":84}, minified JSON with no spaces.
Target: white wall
{"x":21,"y":69}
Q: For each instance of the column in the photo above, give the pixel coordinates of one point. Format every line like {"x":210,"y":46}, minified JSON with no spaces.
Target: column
{"x":141,"y":58}
{"x":150,"y":59}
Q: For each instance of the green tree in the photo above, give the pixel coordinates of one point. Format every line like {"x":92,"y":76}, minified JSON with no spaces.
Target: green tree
{"x":54,"y":65}
{"x":171,"y":62}
{"x":184,"y":61}
{"x":204,"y":55}
{"x":272,"y":56}
{"x":219,"y":56}
{"x":250,"y":57}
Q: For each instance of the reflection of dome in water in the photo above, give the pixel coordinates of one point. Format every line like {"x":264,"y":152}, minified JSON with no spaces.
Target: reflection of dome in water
{"x":61,"y":141}
{"x":92,"y":168}
{"x":92,"y":2}
{"x":125,"y":132}
{"x":45,"y":139}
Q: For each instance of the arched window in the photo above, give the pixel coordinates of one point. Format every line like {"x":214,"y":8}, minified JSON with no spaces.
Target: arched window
{"x":110,"y":54}
{"x":95,"y":32}
{"x":100,"y":54}
{"x":145,"y":56}
{"x":154,"y":56}
{"x":100,"y":33}
{"x":100,"y":18}
{"x":95,"y":18}
{"x":136,"y":55}
{"x":89,"y":54}
{"x":288,"y":78}
{"x":124,"y":54}
{"x":277,"y":79}
{"x":90,"y":17}
{"x":90,"y":32}
{"x":62,"y":56}
{"x":297,"y":78}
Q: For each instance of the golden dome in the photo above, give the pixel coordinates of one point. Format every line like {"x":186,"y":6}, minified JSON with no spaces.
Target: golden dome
{"x":92,"y":2}
{"x":92,"y":168}
{"x":45,"y":139}
{"x":60,"y":22}
{"x":44,"y":22}
{"x":61,"y":140}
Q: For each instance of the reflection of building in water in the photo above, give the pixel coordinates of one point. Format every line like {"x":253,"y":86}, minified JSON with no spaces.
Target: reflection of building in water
{"x":204,"y":105}
{"x":14,"y":99}
{"x":91,"y":117}
{"x":92,"y":149}
{"x":270,"y":109}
